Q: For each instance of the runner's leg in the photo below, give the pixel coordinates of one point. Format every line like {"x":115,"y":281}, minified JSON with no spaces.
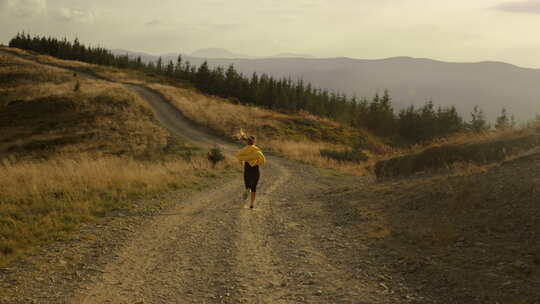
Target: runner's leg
{"x":253,"y":195}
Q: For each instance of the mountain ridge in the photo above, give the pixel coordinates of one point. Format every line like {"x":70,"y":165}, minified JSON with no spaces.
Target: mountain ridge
{"x":120,"y":51}
{"x":491,"y":85}
{"x":217,"y":53}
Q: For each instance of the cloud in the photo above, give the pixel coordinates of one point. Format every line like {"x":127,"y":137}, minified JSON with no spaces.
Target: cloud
{"x":528,"y":6}
{"x":75,"y":15}
{"x":152,"y":23}
{"x":24,"y":8}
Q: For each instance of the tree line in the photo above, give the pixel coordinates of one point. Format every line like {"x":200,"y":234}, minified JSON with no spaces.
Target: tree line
{"x":409,"y":125}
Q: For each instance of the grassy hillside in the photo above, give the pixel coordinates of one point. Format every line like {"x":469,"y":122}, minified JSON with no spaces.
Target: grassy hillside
{"x":300,"y":137}
{"x":315,"y":140}
{"x":461,"y":151}
{"x":74,"y":149}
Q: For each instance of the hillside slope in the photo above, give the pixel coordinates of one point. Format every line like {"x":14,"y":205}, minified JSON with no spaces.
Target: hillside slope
{"x":298,"y":136}
{"x":466,"y":238}
{"x":42,"y":114}
{"x":73,"y":149}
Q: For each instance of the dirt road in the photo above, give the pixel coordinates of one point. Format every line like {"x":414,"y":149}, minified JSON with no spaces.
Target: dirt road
{"x":211,"y":249}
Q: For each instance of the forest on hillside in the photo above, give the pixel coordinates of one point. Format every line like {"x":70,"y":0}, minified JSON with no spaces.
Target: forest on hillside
{"x":407,"y":126}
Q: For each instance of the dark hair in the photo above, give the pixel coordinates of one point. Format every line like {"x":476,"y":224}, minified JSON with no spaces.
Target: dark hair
{"x":250,"y":140}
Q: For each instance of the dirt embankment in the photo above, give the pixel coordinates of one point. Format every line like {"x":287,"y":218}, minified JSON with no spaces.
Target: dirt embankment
{"x":444,"y":157}
{"x":470,"y":238}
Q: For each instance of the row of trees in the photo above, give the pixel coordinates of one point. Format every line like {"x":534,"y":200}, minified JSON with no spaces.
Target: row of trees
{"x":377,"y":115}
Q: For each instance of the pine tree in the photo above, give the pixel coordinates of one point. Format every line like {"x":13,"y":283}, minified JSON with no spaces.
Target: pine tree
{"x":503,"y":121}
{"x":187,"y":70}
{"x":151,"y":67}
{"x":478,"y":123}
{"x":159,"y":65}
{"x":178,"y":73}
{"x":169,"y":71}
{"x":388,"y":126}
{"x":203,"y":77}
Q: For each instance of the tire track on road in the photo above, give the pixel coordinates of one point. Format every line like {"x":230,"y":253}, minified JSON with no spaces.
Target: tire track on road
{"x":260,"y":276}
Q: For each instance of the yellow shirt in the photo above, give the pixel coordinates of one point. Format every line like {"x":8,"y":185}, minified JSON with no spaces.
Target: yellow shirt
{"x":251,"y":154}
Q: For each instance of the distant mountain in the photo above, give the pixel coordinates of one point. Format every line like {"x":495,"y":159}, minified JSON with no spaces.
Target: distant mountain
{"x":292,"y":55}
{"x":216,"y":53}
{"x":490,"y":85}
{"x":144,"y":56}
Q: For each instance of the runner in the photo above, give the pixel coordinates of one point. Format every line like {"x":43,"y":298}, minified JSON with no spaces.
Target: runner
{"x":252,"y":157}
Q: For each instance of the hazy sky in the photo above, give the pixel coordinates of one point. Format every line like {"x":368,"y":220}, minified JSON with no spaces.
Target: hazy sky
{"x":457,"y":30}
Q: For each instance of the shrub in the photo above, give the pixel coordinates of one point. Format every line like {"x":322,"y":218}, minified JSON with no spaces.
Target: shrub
{"x":215,"y":155}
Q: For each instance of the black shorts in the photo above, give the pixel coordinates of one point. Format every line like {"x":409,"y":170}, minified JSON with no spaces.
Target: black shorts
{"x":251,"y":176}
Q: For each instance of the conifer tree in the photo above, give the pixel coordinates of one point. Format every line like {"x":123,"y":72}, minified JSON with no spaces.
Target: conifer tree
{"x":169,"y":71}
{"x":178,"y":73}
{"x":231,"y":80}
{"x":478,"y":123}
{"x":138,"y":63}
{"x":503,"y":121}
{"x":159,"y":65}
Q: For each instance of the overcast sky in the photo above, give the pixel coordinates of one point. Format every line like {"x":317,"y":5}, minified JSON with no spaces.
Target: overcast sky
{"x":456,"y":30}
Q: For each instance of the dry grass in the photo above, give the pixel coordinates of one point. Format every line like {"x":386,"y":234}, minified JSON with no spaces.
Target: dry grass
{"x":463,"y":138}
{"x":309,"y":152}
{"x":105,"y":72}
{"x":285,"y":134}
{"x":41,"y":114}
{"x":222,"y":116}
{"x":299,"y":137}
{"x":462,"y":154}
{"x":108,"y":121}
{"x":101,"y":71}
{"x":69,"y":156}
{"x":44,"y":200}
